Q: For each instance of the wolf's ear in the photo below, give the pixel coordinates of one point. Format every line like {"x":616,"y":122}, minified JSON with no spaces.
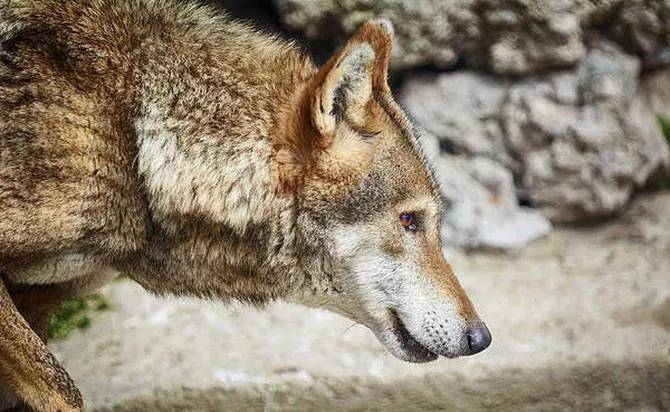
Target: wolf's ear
{"x":347,"y":80}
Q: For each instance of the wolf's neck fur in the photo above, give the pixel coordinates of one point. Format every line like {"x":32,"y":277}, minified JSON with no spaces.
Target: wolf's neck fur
{"x":208,"y":166}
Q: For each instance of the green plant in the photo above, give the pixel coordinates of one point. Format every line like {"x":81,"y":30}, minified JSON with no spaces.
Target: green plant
{"x":73,"y":314}
{"x":664,"y":124}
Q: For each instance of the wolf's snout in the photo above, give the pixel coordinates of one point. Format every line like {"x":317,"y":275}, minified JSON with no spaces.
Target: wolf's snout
{"x":479,"y":338}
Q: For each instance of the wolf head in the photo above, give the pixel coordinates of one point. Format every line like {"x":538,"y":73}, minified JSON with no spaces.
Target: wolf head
{"x":368,"y":198}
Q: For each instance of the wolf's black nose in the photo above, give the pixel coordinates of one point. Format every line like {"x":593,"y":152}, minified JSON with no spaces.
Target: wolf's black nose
{"x":479,"y":338}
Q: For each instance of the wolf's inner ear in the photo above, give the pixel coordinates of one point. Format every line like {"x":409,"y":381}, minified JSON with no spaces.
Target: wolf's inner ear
{"x":346,"y":87}
{"x":347,"y":80}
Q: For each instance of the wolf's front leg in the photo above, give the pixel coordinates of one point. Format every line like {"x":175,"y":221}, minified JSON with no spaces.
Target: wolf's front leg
{"x":28,"y":368}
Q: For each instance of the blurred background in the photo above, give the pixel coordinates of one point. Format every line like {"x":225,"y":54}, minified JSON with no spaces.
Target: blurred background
{"x":548,"y":125}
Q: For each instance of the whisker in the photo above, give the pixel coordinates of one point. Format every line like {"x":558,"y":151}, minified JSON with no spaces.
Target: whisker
{"x":349,"y":328}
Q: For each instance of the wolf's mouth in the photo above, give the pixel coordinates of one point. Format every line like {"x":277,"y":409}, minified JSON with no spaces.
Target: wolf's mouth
{"x":414,"y":351}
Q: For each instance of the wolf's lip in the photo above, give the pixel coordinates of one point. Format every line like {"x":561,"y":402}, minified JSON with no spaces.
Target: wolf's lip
{"x":415,"y":351}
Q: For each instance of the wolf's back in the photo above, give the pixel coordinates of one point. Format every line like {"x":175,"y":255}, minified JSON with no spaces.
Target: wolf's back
{"x":66,"y":150}
{"x":20,"y":14}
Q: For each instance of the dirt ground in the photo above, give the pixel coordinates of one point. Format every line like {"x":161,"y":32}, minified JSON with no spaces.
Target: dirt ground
{"x":580,"y":321}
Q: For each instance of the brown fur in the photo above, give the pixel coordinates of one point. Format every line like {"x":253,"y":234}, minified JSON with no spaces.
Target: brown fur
{"x":164,"y":141}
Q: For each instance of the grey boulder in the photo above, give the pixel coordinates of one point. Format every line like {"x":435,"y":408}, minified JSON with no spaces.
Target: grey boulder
{"x":504,"y":37}
{"x":483,"y":210}
{"x":579,"y":143}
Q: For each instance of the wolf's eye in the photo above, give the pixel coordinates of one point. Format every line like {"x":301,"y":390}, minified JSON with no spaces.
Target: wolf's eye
{"x":408,"y":221}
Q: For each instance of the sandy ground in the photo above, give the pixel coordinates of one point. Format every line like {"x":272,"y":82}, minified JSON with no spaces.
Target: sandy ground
{"x":580,"y":321}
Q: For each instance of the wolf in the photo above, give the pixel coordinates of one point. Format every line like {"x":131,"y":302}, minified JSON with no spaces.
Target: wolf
{"x":198,"y":156}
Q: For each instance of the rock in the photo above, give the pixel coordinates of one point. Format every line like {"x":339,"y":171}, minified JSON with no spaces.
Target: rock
{"x":461,"y":111}
{"x":473,"y":103}
{"x":483,"y":209}
{"x":584,"y":141}
{"x":642,"y":27}
{"x":423,"y":29}
{"x":525,"y":36}
{"x":514,"y":37}
{"x":578,"y":143}
{"x":655,"y":87}
{"x":438,"y":32}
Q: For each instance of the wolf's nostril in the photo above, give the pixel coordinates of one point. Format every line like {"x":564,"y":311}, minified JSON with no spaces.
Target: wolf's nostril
{"x":479,"y":338}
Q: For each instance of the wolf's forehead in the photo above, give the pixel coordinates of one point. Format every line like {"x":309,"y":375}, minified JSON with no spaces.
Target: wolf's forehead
{"x":404,"y":146}
{"x":400,"y":174}
{"x":397,"y":178}
{"x":406,"y":173}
